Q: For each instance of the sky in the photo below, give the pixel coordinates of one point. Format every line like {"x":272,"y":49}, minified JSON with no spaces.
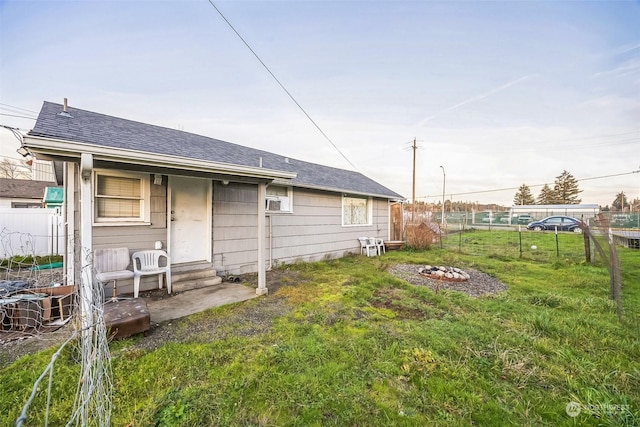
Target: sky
{"x":496,"y":94}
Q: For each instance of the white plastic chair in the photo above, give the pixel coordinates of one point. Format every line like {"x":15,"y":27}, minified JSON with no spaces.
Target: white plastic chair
{"x":111,"y":265}
{"x":380,"y":246}
{"x":147,"y":263}
{"x":367,"y":245}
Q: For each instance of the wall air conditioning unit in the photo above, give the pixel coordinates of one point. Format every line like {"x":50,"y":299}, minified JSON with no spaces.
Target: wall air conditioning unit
{"x":274,"y":205}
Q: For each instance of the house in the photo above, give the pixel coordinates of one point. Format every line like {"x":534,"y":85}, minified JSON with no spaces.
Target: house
{"x":23,"y":193}
{"x":30,"y":220}
{"x":207,"y":202}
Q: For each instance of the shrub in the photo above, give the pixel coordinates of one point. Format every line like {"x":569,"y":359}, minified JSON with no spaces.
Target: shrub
{"x":421,"y":236}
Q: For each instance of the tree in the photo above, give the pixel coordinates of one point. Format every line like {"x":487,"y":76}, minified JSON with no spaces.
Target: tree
{"x":14,"y":170}
{"x":546,"y":196}
{"x":620,"y":201}
{"x":566,"y":189}
{"x":523,"y":196}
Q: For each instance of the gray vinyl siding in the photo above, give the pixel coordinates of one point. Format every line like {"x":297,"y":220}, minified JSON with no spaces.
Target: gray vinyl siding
{"x":313,"y":231}
{"x":235,"y":228}
{"x":134,"y":237}
{"x":158,"y":204}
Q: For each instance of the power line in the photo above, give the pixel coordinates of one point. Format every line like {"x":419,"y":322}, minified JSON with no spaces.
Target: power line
{"x":281,"y":85}
{"x":530,"y":186}
{"x":20,"y":117}
{"x":625,"y":141}
{"x":14,"y":131}
{"x":606,"y":140}
{"x":18,"y":108}
{"x":580,"y":138}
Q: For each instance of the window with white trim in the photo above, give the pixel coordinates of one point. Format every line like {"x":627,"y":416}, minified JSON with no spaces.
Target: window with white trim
{"x":279,"y":199}
{"x":356,"y":210}
{"x":121,"y":197}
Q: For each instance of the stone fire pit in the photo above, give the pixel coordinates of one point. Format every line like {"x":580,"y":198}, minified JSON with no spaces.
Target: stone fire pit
{"x":440,"y":272}
{"x":477,"y":283}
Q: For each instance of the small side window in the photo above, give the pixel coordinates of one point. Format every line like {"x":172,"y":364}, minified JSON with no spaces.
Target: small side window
{"x":356,"y":211}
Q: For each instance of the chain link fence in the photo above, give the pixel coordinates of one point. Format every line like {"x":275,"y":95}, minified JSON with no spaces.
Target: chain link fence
{"x":33,"y":296}
{"x":546,"y":246}
{"x":595,"y":245}
{"x":37,"y":303}
{"x":506,"y":219}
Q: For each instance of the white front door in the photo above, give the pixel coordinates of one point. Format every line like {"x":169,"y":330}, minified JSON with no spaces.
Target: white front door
{"x":190,"y":219}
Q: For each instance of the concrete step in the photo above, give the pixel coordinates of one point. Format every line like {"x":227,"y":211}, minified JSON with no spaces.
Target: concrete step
{"x":195,"y":284}
{"x":190,"y":266}
{"x":195,"y":279}
{"x":183,"y":276}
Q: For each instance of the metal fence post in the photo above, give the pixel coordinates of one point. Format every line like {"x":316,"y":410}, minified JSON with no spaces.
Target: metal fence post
{"x":520,"y":238}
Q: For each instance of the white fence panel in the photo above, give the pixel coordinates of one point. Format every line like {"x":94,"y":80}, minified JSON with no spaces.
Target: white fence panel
{"x":36,"y":232}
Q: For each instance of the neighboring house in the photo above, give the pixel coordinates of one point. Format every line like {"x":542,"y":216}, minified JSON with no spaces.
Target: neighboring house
{"x":26,"y":228}
{"x":23,"y":193}
{"x":209,"y":202}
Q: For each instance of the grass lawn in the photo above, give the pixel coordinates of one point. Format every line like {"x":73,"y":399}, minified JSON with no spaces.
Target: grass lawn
{"x":339,"y":357}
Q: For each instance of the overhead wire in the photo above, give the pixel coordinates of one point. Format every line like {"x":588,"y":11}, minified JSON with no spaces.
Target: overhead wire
{"x":18,"y":116}
{"x":530,"y":186}
{"x":12,"y":107}
{"x":282,"y":85}
{"x":14,"y":131}
{"x":605,"y":141}
{"x":17,"y":112}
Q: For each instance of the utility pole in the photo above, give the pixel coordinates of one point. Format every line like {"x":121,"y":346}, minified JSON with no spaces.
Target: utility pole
{"x":413,"y":185}
{"x":444,"y":180}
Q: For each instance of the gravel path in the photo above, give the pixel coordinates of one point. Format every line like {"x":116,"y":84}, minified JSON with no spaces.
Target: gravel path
{"x":478,"y":285}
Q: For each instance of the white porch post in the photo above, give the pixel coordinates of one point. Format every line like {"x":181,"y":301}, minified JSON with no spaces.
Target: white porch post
{"x":87,"y":303}
{"x":68,"y":204}
{"x":86,"y":240}
{"x":262,"y":280}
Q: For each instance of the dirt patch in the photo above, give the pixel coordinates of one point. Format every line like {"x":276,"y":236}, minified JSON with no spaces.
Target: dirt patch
{"x":275,"y":279}
{"x":389,"y":299}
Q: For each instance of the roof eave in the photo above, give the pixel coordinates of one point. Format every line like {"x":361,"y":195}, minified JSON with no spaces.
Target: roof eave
{"x":64,"y":148}
{"x":342,"y":190}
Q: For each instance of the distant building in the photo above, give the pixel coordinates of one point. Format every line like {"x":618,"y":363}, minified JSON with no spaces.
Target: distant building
{"x":23,"y":193}
{"x":583,"y":212}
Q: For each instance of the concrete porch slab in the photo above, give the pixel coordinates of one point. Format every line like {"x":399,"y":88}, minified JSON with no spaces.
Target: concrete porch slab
{"x":194,"y":301}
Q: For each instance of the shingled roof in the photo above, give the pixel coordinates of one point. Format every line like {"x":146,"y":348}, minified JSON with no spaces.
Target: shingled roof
{"x":23,"y":188}
{"x":107,"y":131}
